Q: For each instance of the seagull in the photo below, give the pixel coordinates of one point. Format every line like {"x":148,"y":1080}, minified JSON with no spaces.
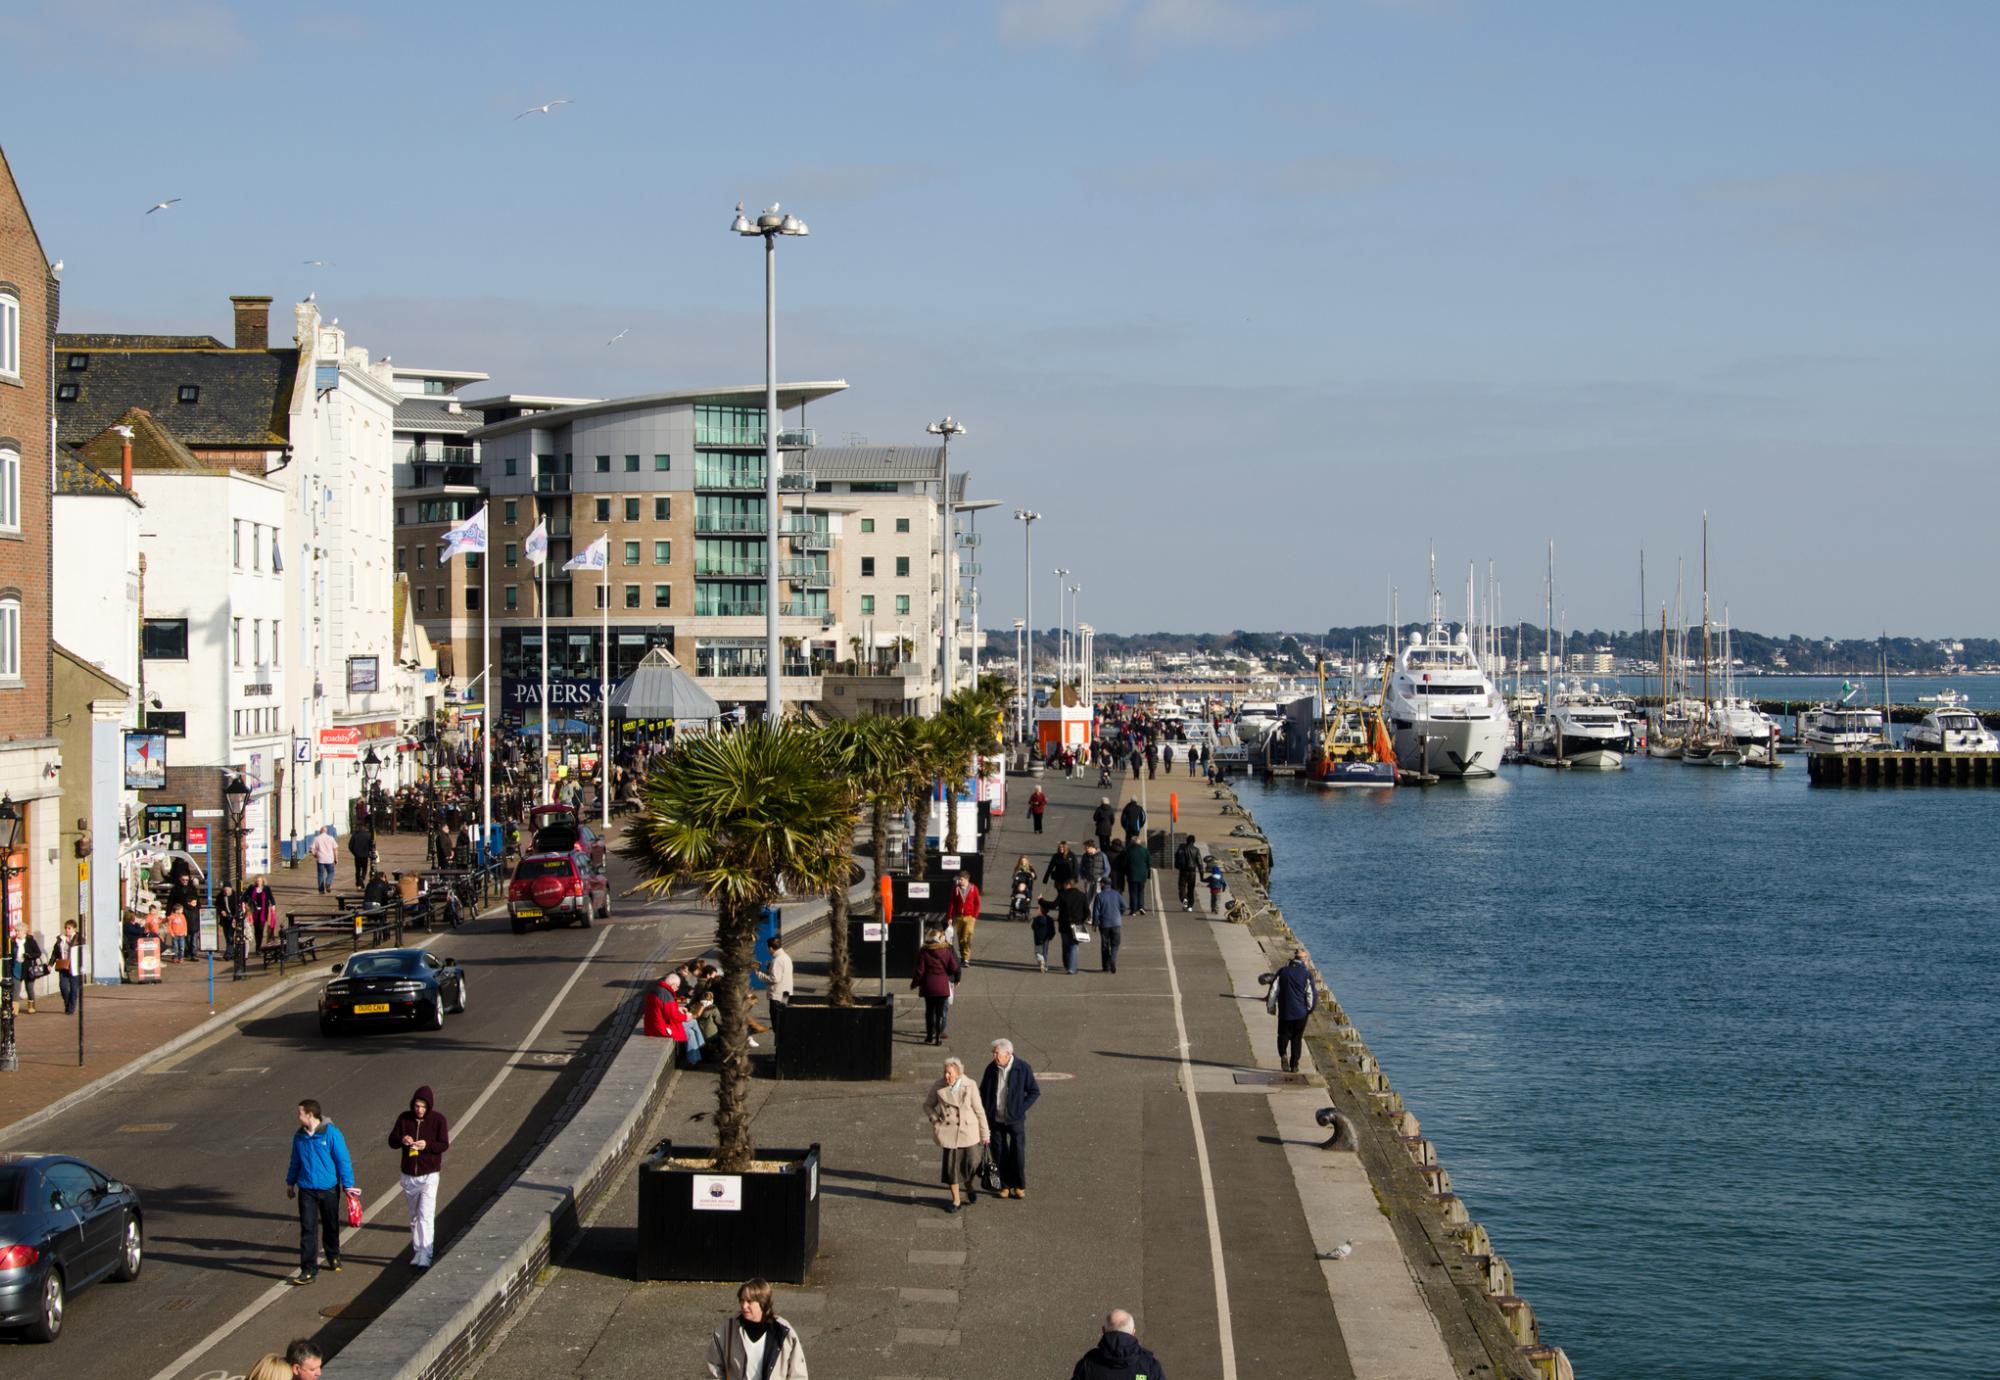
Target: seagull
{"x":620,"y":336}
{"x":772,"y":209}
{"x":1340,"y":1252}
{"x":56,"y":267}
{"x":162,"y":205}
{"x":311,"y":295}
{"x":123,"y":430}
{"x":543,"y":109}
{"x":318,"y":263}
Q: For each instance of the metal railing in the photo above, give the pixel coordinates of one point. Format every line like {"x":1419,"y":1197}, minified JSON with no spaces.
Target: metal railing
{"x":729,"y":476}
{"x":732,"y":567}
{"x":439,"y":455}
{"x":810,"y":573}
{"x":552,"y":483}
{"x":728,"y":608}
{"x":796,"y":482}
{"x":729,"y":522}
{"x":811,"y":539}
{"x":798,"y":438}
{"x":801,"y":608}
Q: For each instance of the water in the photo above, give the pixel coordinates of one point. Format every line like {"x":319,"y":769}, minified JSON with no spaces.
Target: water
{"x":1709,"y":1052}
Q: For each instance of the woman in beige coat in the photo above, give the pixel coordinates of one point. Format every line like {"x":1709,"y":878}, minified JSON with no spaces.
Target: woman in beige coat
{"x":958,"y":1124}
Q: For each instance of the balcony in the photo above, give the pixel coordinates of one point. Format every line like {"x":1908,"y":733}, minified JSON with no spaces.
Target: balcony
{"x":796,"y":482}
{"x":804,"y":608}
{"x":969,"y":569}
{"x":552,"y":483}
{"x":799,"y":438}
{"x":440,"y":455}
{"x":811,"y":574}
{"x":731,"y":567}
{"x":728,"y":608}
{"x":740,"y":524}
{"x":968,"y":539}
{"x":735,"y":478}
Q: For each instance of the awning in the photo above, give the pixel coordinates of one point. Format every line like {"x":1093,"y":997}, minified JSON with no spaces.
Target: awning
{"x":660,"y":689}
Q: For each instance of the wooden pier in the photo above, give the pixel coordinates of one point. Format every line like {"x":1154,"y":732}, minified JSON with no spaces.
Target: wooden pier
{"x":1903,"y":768}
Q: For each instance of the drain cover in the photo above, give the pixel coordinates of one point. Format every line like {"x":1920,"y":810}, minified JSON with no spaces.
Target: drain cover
{"x":1273,"y":1078}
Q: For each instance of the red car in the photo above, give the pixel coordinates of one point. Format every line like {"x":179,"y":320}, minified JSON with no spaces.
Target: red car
{"x":556,"y":888}
{"x":557,"y":829}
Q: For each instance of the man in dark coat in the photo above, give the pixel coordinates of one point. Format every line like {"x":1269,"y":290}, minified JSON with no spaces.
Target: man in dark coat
{"x":1104,"y":819}
{"x":1187,"y":870}
{"x":1138,"y":872}
{"x":1294,"y":994}
{"x":361,"y":843}
{"x":1118,"y":1355}
{"x":1134,"y":820}
{"x":1008,"y":1088}
{"x":1062,"y":866}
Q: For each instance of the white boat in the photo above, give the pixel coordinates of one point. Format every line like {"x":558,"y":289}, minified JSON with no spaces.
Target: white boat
{"x":1948,"y":698}
{"x":1840,"y":728}
{"x":1586,"y":732}
{"x":1950,"y":730}
{"x":1256,"y":720}
{"x":1444,"y":712}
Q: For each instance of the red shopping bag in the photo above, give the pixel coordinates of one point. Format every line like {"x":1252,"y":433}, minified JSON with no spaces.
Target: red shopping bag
{"x":354,"y":1207}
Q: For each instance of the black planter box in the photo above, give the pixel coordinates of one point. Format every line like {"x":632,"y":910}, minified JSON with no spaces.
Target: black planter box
{"x":772,"y":1234}
{"x":906,"y":938}
{"x":853,"y":1043}
{"x":972,"y":865}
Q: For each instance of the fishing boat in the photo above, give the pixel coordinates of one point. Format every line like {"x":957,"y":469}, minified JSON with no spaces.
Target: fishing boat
{"x":1354,"y":749}
{"x":1950,"y":730}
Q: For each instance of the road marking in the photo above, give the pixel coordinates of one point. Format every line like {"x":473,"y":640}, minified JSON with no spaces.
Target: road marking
{"x":280,"y":1290}
{"x":144,"y":1128}
{"x":1224,"y":1335}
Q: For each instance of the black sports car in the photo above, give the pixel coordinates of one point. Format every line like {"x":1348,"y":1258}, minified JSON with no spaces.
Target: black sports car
{"x":403,"y":986}
{"x":63,"y":1225}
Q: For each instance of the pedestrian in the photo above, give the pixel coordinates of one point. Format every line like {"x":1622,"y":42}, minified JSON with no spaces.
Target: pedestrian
{"x":421,"y":1135}
{"x":1062,"y":866}
{"x":781,"y":983}
{"x":1093,"y":868}
{"x":1133,"y":819}
{"x":271,"y":1366}
{"x":28,"y":966}
{"x":664,"y":1019}
{"x":1104,"y":818}
{"x":958,"y":1123}
{"x":63,"y":958}
{"x":177,"y":936}
{"x":1167,"y":758}
{"x":301,"y":1360}
{"x":325,"y":854}
{"x":1292,"y":998}
{"x":1138,"y":876}
{"x":1073,"y":922}
{"x":1038,"y":802}
{"x":320,"y":1172}
{"x":1006,"y":1091}
{"x":937,"y":969}
{"x":260,"y":907}
{"x":1043,"y":929}
{"x":756,"y":1344}
{"x":361,"y":843}
{"x":1152,"y":761}
{"x":1108,"y":911}
{"x":1118,"y":1355}
{"x":964,"y":909}
{"x":1215,"y":885}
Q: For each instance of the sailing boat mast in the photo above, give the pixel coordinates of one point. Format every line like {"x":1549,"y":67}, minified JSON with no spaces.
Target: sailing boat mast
{"x":1705,"y":705}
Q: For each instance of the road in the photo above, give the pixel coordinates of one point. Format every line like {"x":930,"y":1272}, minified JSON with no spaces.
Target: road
{"x":205,"y":1135}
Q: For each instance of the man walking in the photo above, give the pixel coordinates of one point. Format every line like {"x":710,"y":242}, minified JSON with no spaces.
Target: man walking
{"x":1294,"y":994}
{"x":1008,"y":1089}
{"x":325,"y":854}
{"x":1073,"y":922}
{"x":964,"y":910}
{"x":779,"y":976}
{"x":1038,"y":804}
{"x":1108,"y":911}
{"x":421,"y":1135}
{"x":361,"y":843}
{"x":1103,"y":819}
{"x":1187,"y":870}
{"x":1092,"y":869}
{"x":1118,"y":1355}
{"x":1133,"y":818}
{"x":1062,"y":866}
{"x":1138,"y":872}
{"x":320,"y":1172}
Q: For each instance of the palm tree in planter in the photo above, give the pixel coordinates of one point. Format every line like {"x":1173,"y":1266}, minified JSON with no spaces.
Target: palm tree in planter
{"x":935,"y":754}
{"x":972,"y":717}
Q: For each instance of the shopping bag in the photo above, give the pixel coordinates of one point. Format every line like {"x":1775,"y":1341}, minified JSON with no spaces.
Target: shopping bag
{"x":354,"y":1206}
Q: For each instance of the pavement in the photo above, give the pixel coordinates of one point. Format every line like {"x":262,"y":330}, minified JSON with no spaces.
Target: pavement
{"x":1166,"y":1175}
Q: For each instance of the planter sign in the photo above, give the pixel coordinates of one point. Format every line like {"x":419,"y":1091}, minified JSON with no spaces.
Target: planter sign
{"x":718,"y":1193}
{"x":872,"y":933}
{"x":920,"y":891}
{"x":951,"y":862}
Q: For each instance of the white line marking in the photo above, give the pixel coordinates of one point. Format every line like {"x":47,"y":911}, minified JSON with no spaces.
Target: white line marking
{"x":278,"y":1291}
{"x":1224,"y":1336}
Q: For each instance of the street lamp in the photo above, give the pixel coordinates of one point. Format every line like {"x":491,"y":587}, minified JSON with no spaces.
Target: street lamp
{"x":1028,"y":518}
{"x":1062,"y":633}
{"x":1019,"y":624}
{"x":949,"y":586}
{"x":769,"y":226}
{"x":236,"y":799}
{"x":10,"y":834}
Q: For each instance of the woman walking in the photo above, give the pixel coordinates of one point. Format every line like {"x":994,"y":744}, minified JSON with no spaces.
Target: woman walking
{"x":937,"y":970}
{"x":421,"y":1136}
{"x":261,"y":908}
{"x":756,"y":1344}
{"x":958,"y":1123}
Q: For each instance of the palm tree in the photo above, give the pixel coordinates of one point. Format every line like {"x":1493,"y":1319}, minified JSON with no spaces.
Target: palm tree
{"x":934,"y":755}
{"x":863,"y":753}
{"x":883,"y":765}
{"x":972,"y":717}
{"x":746,"y":817}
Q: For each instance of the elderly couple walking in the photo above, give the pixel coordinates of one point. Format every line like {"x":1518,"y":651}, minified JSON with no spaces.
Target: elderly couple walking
{"x":964,"y":1119}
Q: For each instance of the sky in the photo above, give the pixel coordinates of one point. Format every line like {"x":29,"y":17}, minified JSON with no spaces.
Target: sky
{"x":1257,"y":303}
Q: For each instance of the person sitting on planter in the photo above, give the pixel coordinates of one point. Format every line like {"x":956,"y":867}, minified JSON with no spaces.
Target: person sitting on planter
{"x":664,"y":1017}
{"x":756,"y":1344}
{"x":958,"y":1124}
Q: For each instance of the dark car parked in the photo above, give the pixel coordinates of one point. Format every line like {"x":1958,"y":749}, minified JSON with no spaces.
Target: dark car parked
{"x":396,"y":986}
{"x":64,"y":1225}
{"x":556,"y":889}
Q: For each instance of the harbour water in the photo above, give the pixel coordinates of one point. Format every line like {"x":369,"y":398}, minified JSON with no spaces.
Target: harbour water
{"x":1711,"y":1053}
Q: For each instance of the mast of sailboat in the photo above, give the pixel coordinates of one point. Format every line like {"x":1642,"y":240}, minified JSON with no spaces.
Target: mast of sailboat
{"x":1704,"y":621}
{"x":1548,"y":636}
{"x":1642,"y":624}
{"x":1888,"y":716}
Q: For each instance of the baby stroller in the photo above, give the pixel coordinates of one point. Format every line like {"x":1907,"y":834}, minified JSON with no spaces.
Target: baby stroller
{"x":1019,"y":903}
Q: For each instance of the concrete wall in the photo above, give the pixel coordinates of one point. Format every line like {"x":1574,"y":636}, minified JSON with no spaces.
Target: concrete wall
{"x":96,"y":592}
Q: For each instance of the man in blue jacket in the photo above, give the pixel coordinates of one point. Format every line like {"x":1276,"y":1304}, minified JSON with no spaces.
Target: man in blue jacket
{"x":1294,"y":994}
{"x":320,"y":1173}
{"x":1008,"y":1088}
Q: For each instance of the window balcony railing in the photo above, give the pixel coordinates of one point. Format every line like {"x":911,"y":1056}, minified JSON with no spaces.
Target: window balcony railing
{"x":750,"y":524}
{"x":802,"y":608}
{"x":796,"y":482}
{"x":969,"y":569}
{"x":812,"y":574}
{"x":439,"y":455}
{"x":729,"y":477}
{"x":968,"y":538}
{"x":552,"y":483}
{"x":731,"y":567}
{"x":729,"y":608}
{"x":799,"y":438}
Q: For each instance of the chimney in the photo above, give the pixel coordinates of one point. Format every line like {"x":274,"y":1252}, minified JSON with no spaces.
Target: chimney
{"x":125,"y":464}
{"x":253,"y":322}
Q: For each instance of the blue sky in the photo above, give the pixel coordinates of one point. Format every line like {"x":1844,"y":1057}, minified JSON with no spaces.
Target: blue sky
{"x":1254,"y":302}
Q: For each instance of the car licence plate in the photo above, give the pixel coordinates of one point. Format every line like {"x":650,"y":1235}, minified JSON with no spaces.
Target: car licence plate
{"x":529,"y":913}
{"x":373,"y":1008}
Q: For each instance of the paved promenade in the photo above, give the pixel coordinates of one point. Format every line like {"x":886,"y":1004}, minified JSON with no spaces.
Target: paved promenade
{"x":1164,"y":1177}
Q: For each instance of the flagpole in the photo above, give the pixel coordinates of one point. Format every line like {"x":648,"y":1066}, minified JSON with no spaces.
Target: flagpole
{"x":544,"y":770}
{"x":604,"y":699}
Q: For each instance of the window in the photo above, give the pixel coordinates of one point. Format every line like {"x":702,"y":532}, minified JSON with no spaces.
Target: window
{"x":473,"y":558}
{"x":164,"y":639}
{"x":867,"y":567}
{"x":236,"y":641}
{"x":604,"y":464}
{"x":902,"y":524}
{"x":662,"y":509}
{"x":663,"y":596}
{"x":902,"y":566}
{"x":604,"y":510}
{"x":236,"y":543}
{"x":868,"y":604}
{"x":257,"y":544}
{"x":662,"y":463}
{"x":256,"y":642}
{"x":10,"y":490}
{"x":436,"y":387}
{"x":631,"y":510}
{"x":663,"y":553}
{"x":868,"y":524}
{"x":631,"y":596}
{"x":10,"y":639}
{"x":510,"y":597}
{"x":420,"y":558}
{"x":67,"y":392}
{"x":77,"y":363}
{"x":510,"y":467}
{"x":472,"y":598}
{"x":420,"y":601}
{"x":444,"y":599}
{"x":631,"y":464}
{"x":902,"y":603}
{"x":190,"y":393}
{"x":277,"y":654}
{"x":509,"y":554}
{"x":400,"y":553}
{"x":600,"y":593}
{"x":631,"y":553}
{"x":10,"y":335}
{"x":509,"y":509}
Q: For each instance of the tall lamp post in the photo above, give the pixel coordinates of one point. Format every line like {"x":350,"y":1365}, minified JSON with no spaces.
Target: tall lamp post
{"x":948,"y":586}
{"x":769,"y":226}
{"x":1028,"y":518}
{"x":10,"y":834}
{"x":1062,"y":632}
{"x":1019,"y":625}
{"x":235,"y":799}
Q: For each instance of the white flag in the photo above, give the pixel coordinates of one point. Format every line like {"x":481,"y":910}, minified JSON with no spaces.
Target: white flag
{"x":537,"y":547}
{"x":469,"y":535}
{"x":595,"y":556}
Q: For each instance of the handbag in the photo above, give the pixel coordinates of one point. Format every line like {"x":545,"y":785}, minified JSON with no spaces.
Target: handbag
{"x":37,"y":970}
{"x":354,"y":1206}
{"x":988,"y":1172}
{"x":1080,"y":933}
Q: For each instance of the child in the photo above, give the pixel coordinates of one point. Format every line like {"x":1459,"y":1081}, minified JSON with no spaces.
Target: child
{"x":1215,"y":886}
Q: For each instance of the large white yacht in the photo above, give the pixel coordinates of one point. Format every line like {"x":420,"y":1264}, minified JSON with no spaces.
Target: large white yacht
{"x":1443,"y":711}
{"x":1585,"y":730}
{"x":1950,"y":730}
{"x":1840,"y":728}
{"x":1255,"y":720}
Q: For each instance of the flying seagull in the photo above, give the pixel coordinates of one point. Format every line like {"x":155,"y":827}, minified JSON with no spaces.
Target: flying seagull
{"x":319,"y":263}
{"x":620,"y":336}
{"x":161,"y":205}
{"x":543,"y":109}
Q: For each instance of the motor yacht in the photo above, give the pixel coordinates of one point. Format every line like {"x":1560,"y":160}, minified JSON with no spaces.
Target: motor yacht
{"x":1950,"y":730}
{"x":1840,"y":728}
{"x":1444,"y":713}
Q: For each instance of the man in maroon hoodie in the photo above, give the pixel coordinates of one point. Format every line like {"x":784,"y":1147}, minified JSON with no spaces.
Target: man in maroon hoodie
{"x":421,"y":1137}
